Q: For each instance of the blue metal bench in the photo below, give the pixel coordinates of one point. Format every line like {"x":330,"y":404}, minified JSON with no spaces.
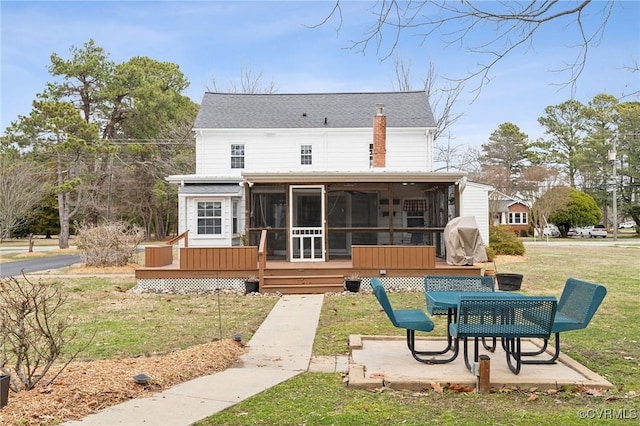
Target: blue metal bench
{"x":410,"y":319}
{"x":509,"y":319}
{"x":578,"y":303}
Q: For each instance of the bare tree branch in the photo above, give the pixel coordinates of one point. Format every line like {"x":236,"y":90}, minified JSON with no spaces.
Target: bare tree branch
{"x":21,"y":189}
{"x":634,"y":67}
{"x":250,"y":82}
{"x":442,"y":99}
{"x":403,"y":74}
{"x":462,"y":24}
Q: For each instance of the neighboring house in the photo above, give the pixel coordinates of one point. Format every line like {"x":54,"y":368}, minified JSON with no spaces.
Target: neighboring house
{"x":509,"y":210}
{"x":321,"y":174}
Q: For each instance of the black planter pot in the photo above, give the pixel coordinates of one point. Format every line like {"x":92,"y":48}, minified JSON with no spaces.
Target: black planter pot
{"x":352,"y":285}
{"x":5,"y":380}
{"x":509,"y":282}
{"x":251,"y":287}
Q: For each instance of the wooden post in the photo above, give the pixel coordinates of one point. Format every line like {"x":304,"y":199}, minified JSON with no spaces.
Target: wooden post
{"x":262,"y":257}
{"x":484,"y":382}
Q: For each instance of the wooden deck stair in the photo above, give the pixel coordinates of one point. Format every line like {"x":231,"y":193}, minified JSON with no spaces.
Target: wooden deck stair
{"x":303,"y":283}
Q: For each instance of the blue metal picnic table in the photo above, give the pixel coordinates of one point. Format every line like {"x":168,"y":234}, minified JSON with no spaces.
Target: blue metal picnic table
{"x":451,"y":300}
{"x":448,"y":300}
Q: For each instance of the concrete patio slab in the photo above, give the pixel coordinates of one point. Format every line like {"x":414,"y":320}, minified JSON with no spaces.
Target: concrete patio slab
{"x":385,"y":361}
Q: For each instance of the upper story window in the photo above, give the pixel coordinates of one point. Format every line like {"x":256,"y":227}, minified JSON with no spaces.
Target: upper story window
{"x":518,"y":218}
{"x":370,"y":155}
{"x":209,"y":218}
{"x":306,"y":156}
{"x":237,"y":156}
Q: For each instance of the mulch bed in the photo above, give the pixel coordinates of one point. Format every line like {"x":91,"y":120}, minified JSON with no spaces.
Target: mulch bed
{"x":84,"y":388}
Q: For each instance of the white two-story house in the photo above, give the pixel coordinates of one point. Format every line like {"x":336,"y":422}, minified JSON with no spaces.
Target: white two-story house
{"x":321,"y":173}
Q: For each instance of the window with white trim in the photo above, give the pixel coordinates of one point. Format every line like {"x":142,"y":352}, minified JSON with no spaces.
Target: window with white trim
{"x":370,"y":155}
{"x":306,"y":156}
{"x":234,"y":209}
{"x":209,"y":218}
{"x":237,"y":156}
{"x":518,"y":218}
{"x":415,"y":219}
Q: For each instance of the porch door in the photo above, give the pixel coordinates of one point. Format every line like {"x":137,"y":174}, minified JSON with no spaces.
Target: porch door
{"x":307,"y":223}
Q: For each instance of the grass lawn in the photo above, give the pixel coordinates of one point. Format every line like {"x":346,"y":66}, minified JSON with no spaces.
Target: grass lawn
{"x":126,"y":324}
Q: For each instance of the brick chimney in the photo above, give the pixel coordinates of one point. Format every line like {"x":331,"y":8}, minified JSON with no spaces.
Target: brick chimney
{"x":379,"y":137}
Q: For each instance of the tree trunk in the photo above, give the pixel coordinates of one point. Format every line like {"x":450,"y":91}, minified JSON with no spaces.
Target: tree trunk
{"x":63,"y":214}
{"x":160,"y":226}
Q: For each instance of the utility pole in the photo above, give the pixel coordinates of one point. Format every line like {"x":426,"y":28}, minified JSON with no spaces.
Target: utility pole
{"x":613,"y":159}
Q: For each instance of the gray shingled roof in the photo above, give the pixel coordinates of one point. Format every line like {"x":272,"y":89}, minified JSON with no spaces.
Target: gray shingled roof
{"x":342,"y":110}
{"x":220,"y":189}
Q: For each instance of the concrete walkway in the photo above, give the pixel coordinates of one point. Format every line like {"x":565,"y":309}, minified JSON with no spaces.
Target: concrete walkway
{"x":279,"y":350}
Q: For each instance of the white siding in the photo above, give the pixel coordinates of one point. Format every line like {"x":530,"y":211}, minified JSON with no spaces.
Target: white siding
{"x":334,"y":150}
{"x":407,"y":151}
{"x":475,"y":202}
{"x":182,"y":216}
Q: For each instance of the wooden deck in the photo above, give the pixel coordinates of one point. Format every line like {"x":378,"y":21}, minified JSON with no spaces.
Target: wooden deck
{"x":226,"y":264}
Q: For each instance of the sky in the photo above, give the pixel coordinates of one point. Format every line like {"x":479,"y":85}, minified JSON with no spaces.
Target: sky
{"x":281,"y":40}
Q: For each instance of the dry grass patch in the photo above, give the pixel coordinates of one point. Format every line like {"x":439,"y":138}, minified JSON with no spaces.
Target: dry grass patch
{"x":82,"y":269}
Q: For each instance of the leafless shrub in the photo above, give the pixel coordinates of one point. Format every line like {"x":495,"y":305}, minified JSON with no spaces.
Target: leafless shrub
{"x":109,"y":244}
{"x":32,"y":332}
{"x":21,"y":188}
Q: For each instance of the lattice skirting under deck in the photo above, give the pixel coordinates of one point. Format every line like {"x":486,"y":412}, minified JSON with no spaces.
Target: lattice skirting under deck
{"x":211,"y":285}
{"x":187,"y":285}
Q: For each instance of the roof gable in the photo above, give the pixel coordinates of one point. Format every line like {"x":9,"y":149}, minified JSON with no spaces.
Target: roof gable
{"x":502,"y":202}
{"x":316,"y":110}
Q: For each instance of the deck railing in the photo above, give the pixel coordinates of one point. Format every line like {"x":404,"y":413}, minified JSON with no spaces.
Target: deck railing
{"x":184,"y":236}
{"x":157,"y":256}
{"x":393,"y":257}
{"x":262,"y":257}
{"x":255,"y":258}
{"x":218,"y":258}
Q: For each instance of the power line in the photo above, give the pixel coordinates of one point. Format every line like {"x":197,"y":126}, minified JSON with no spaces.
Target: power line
{"x":148,"y":141}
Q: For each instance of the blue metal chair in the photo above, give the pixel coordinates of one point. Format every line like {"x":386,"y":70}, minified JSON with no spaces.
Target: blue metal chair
{"x":410,"y":319}
{"x":578,"y":303}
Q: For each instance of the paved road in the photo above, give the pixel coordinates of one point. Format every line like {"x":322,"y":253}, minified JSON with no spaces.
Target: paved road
{"x":586,"y":242}
{"x":8,"y":269}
